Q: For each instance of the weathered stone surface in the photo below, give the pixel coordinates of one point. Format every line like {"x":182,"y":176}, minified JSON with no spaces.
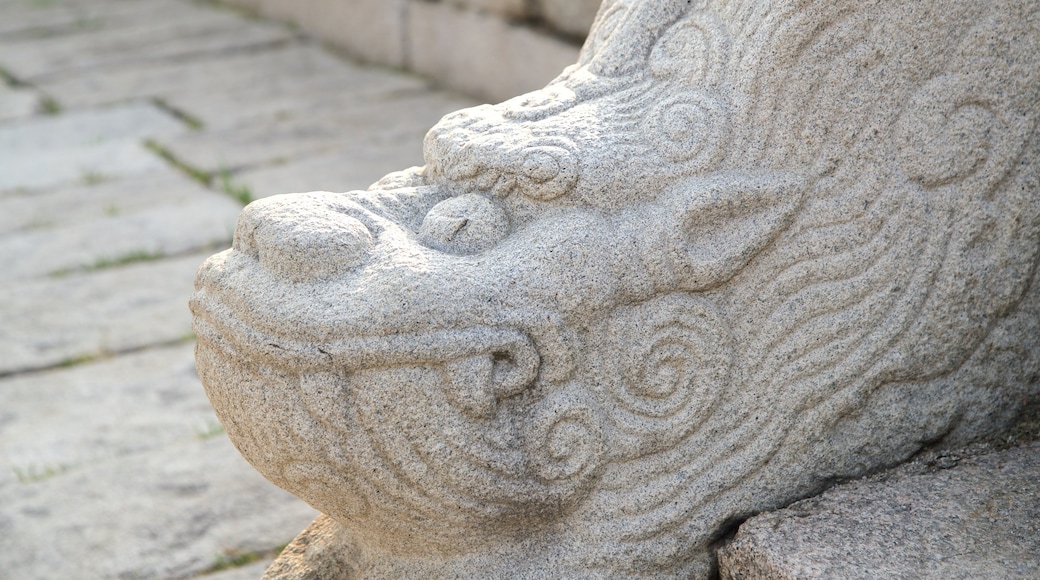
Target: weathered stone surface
{"x":51,"y":321}
{"x":352,"y":167}
{"x":21,"y":19}
{"x":172,"y":513}
{"x":140,"y":80}
{"x":740,"y":250}
{"x":81,"y":146}
{"x":482,"y":55}
{"x":172,"y":29}
{"x":102,"y":198}
{"x":17,"y":103}
{"x":288,"y":81}
{"x":69,"y":419}
{"x":168,"y":228}
{"x":979,"y":519}
{"x":319,"y":552}
{"x":305,"y":132}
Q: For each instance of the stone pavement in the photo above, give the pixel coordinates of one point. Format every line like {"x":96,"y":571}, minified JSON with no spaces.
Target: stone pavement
{"x":131,"y":133}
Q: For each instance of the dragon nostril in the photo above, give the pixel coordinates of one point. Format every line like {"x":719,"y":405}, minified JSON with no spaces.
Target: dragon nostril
{"x":313,"y":249}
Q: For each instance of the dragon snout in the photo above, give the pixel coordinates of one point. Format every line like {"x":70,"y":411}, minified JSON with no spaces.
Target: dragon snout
{"x":302,"y":237}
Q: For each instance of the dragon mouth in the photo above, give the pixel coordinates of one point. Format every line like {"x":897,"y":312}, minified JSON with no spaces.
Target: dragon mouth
{"x":514,"y":358}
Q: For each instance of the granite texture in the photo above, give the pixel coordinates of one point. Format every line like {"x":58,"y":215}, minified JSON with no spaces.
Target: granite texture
{"x":738,"y":251}
{"x":946,"y":518}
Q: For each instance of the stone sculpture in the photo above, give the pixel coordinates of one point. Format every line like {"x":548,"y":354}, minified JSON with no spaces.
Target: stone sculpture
{"x":740,"y":250}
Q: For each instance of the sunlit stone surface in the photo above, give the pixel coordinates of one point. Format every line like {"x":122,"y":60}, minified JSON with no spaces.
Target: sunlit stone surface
{"x":741,"y":249}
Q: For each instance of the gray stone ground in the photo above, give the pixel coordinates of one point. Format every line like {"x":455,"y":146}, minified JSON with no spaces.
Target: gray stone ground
{"x":951,"y":516}
{"x":131,"y":132}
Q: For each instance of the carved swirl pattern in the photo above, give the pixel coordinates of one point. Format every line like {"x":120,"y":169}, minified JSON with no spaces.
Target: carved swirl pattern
{"x":565,"y":438}
{"x":671,"y":359}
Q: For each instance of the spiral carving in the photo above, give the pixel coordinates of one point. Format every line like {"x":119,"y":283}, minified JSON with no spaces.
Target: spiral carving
{"x":690,"y":127}
{"x":672,"y":357}
{"x":564,"y":441}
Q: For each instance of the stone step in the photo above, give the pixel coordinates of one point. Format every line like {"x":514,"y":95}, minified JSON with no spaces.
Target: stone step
{"x":976,"y":517}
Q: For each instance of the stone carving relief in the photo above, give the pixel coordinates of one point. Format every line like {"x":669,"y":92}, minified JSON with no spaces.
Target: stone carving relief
{"x":740,"y":250}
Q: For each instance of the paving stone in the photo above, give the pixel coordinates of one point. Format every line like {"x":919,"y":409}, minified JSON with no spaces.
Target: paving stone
{"x":170,"y":513}
{"x":93,"y":200}
{"x":72,"y":418}
{"x":46,"y":151}
{"x":16,"y":103}
{"x":979,"y":518}
{"x":295,"y":77}
{"x":305,"y":132}
{"x":171,"y":30}
{"x":344,"y":169}
{"x":27,"y":18}
{"x":168,"y":227}
{"x":52,"y":321}
{"x":216,"y":73}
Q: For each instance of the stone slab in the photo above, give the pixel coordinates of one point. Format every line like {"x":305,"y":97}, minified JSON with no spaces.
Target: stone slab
{"x":51,"y":321}
{"x":103,"y":198}
{"x":293,"y":78}
{"x":480,"y":54}
{"x":81,"y":145}
{"x":16,"y":103}
{"x":343,"y":169}
{"x":978,"y":517}
{"x":166,"y":228}
{"x":172,"y":30}
{"x":191,"y":84}
{"x":170,"y":513}
{"x":305,"y":132}
{"x":21,"y":19}
{"x":68,"y":419}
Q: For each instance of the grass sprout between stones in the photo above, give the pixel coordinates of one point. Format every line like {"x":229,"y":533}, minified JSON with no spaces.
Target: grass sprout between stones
{"x":35,"y":473}
{"x":212,"y":429}
{"x":168,"y":156}
{"x":232,"y":558}
{"x":193,"y":122}
{"x":237,"y":191}
{"x":105,"y":263}
{"x":224,"y":182}
{"x":49,"y":106}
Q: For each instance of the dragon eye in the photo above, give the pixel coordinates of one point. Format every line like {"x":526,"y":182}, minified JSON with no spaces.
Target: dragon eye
{"x":468,"y":224}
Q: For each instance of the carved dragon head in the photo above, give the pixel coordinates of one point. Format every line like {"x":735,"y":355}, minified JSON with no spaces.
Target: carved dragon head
{"x":740,"y":249}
